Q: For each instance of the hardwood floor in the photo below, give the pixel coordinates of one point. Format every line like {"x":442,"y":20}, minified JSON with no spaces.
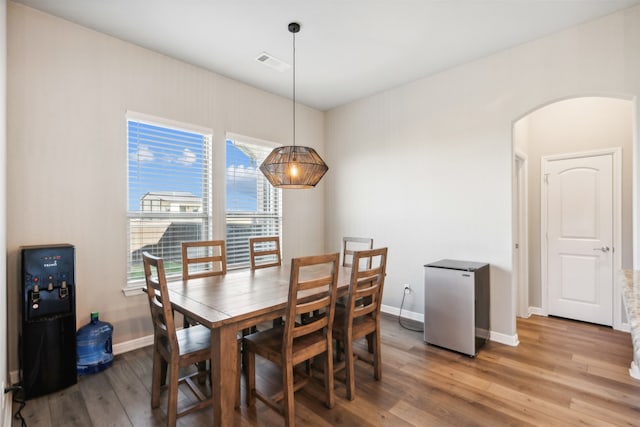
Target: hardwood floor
{"x":562,"y":373}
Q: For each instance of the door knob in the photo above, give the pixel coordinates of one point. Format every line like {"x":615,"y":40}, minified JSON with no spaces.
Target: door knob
{"x":603,"y":249}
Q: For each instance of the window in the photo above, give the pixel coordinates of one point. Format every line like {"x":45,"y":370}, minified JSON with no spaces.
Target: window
{"x":169,"y":199}
{"x":253,"y":207}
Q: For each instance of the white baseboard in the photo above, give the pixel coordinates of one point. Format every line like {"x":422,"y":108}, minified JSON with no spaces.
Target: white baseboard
{"x":538,"y":311}
{"x":511,"y":340}
{"x":624,"y":327}
{"x":8,"y":409}
{"x":412,"y":315}
{"x":634,"y":371}
{"x":131,"y":345}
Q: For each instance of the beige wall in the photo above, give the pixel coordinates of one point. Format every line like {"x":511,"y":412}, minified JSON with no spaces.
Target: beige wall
{"x":572,"y":126}
{"x":431,"y":161}
{"x":69,"y":89}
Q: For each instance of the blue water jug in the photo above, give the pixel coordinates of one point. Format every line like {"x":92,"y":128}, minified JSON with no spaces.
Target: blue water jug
{"x":94,"y":346}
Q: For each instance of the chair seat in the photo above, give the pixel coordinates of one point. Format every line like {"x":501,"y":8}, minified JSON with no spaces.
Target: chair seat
{"x":268,"y":344}
{"x":195,"y":339}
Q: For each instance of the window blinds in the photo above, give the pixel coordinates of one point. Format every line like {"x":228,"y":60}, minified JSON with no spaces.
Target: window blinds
{"x":253,"y":206}
{"x":168,"y":192}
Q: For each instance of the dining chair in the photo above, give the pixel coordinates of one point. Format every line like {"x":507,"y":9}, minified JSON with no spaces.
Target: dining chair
{"x":265,"y":252}
{"x":177,"y":348}
{"x":312,"y":285}
{"x":351,"y":244}
{"x":207,"y":258}
{"x":202,"y":259}
{"x":361,"y":316}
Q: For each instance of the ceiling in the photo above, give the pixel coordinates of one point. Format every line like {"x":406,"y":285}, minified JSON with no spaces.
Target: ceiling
{"x":346,"y":49}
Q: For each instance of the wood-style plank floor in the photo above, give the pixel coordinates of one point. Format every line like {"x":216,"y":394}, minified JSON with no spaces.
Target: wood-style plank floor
{"x":562,"y":373}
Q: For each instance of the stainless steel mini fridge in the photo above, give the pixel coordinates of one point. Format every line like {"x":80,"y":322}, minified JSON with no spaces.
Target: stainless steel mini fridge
{"x":456,"y":314}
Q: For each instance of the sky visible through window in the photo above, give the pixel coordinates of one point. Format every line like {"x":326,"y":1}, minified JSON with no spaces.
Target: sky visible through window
{"x":242,"y":176}
{"x":168,"y":160}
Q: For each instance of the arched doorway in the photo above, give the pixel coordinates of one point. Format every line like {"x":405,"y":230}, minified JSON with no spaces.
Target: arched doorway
{"x":576,"y":125}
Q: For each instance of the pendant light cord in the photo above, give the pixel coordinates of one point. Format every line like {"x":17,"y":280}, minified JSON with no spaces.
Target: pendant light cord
{"x":294,"y":89}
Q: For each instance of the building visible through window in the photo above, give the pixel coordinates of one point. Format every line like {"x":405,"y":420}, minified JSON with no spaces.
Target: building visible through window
{"x":170,"y":201}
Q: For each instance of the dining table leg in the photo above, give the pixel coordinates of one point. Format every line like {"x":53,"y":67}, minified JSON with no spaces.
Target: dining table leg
{"x":224,"y":374}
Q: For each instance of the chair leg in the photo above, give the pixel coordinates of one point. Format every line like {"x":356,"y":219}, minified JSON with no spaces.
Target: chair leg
{"x":288,"y":401}
{"x":202,"y":372}
{"x":156,"y":379}
{"x":163,"y":372}
{"x":377,"y":355}
{"x":338,"y":350}
{"x":172,"y":402}
{"x":349,"y":370}
{"x":250,"y":377}
{"x":245,"y":332}
{"x":328,"y":376}
{"x":239,"y":373}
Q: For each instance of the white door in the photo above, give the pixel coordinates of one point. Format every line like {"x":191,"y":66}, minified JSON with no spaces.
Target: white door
{"x":580,"y":238}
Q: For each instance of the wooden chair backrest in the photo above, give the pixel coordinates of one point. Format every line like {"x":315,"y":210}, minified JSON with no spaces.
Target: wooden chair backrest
{"x":366,"y":285}
{"x":350,"y":245}
{"x":312,"y":287}
{"x":159,"y":305}
{"x":210,"y":255}
{"x":265,"y":252}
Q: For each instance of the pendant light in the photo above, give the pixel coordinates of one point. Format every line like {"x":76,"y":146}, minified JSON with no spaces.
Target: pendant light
{"x":294,"y":166}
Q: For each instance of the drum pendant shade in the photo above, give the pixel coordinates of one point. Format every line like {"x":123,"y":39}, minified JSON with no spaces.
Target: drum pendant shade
{"x":294,"y":166}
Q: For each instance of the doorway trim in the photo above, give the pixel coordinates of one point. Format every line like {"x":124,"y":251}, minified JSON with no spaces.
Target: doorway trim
{"x":616,"y":154}
{"x":521,"y":246}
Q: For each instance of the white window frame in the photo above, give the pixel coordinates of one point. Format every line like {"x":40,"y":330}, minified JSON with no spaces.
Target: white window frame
{"x":133,"y":286}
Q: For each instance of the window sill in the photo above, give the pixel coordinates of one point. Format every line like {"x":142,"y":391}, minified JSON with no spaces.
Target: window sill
{"x":134,"y":289}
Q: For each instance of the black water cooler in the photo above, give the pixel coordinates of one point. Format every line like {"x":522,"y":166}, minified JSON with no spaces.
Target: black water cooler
{"x":48,"y":334}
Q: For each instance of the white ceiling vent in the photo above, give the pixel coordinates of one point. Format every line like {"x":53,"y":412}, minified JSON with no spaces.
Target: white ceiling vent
{"x":272,"y":62}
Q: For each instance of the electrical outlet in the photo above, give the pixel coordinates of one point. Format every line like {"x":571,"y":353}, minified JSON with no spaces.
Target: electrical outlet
{"x":407,"y":288}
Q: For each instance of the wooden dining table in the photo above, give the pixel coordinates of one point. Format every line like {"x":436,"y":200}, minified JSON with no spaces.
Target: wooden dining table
{"x":229,"y":303}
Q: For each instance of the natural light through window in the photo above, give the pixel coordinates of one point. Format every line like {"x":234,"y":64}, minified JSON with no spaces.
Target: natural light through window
{"x":253,"y":206}
{"x":168,"y":190}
